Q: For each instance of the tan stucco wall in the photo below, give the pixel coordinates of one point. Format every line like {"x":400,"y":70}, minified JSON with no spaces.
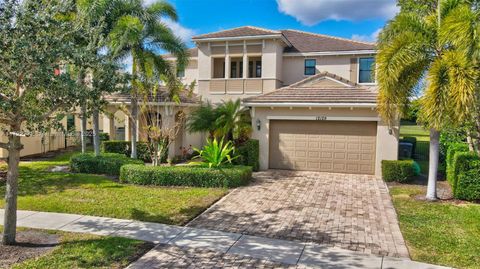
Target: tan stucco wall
{"x":40,"y":143}
{"x":293,"y":67}
{"x":386,"y":146}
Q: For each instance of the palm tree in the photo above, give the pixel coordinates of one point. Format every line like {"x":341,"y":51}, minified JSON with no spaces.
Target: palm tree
{"x":413,"y":47}
{"x":139,"y":33}
{"x":228,"y":120}
{"x":233,"y":120}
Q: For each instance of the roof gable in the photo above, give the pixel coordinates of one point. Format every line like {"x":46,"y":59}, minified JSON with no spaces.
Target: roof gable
{"x":324,"y":80}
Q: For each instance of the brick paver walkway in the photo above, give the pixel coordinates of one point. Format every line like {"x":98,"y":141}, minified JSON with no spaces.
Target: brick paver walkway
{"x":353,"y":212}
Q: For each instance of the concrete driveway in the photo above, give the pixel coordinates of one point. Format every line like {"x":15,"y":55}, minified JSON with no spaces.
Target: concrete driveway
{"x":353,"y":212}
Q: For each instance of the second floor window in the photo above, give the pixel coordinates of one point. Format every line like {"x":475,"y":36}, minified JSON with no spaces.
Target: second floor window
{"x":310,"y":67}
{"x":366,"y":68}
{"x":255,"y":69}
{"x":233,"y":70}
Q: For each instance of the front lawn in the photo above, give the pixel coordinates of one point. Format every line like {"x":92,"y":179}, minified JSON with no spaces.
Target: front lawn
{"x":41,"y":190}
{"x":446,"y":232}
{"x":86,"y":251}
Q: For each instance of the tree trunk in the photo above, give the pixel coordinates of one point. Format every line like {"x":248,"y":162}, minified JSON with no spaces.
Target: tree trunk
{"x":10,"y":218}
{"x":471,"y":147}
{"x":83,"y":128}
{"x":134,"y":127}
{"x":433,"y":164}
{"x":96,"y":132}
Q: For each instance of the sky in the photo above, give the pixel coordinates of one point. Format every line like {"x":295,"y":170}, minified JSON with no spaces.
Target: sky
{"x":356,"y":19}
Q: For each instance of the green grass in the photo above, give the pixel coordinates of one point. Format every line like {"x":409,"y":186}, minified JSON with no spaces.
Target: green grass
{"x":439,"y":233}
{"x":97,"y":195}
{"x":88,"y":251}
{"x":423,"y":142}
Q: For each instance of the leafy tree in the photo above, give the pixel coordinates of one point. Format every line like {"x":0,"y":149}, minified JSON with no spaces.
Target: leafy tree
{"x":414,"y":45}
{"x":34,"y":43}
{"x":228,"y":120}
{"x":139,"y":33}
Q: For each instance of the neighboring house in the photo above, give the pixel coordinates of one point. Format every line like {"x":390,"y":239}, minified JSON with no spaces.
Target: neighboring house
{"x":312,"y":98}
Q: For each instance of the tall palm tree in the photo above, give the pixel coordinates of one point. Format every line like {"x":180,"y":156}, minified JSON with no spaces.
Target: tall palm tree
{"x":413,"y":47}
{"x":139,"y":33}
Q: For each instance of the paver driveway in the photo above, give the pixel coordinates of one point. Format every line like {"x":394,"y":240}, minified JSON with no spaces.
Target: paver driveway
{"x":349,"y":211}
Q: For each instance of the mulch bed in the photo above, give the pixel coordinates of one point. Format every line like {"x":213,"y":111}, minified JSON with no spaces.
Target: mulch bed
{"x":30,"y":244}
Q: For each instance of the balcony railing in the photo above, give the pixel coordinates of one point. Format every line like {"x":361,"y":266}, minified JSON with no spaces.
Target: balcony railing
{"x":236,"y":86}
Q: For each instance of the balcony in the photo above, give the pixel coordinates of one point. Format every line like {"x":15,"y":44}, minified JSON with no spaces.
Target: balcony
{"x":236,"y":86}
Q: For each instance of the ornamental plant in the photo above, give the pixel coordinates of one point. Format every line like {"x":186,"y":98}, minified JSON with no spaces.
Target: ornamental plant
{"x":216,"y":154}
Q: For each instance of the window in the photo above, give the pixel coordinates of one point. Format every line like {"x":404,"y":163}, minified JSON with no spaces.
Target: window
{"x":250,"y":69}
{"x":70,"y":123}
{"x":366,"y":70}
{"x":258,"y":69}
{"x":180,"y":73}
{"x":233,"y":70}
{"x":310,"y":67}
{"x":241,"y":70}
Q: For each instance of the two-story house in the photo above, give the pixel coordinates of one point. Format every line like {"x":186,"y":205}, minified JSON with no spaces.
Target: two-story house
{"x":312,"y":98}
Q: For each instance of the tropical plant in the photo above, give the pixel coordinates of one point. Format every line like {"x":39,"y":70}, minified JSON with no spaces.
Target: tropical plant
{"x":139,"y":33}
{"x":421,"y":45}
{"x":216,"y":153}
{"x":35,"y":43}
{"x":228,"y":120}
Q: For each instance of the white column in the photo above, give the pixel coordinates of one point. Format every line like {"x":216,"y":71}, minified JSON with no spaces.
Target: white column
{"x":127,"y":128}
{"x":245,"y":60}
{"x":227,"y":61}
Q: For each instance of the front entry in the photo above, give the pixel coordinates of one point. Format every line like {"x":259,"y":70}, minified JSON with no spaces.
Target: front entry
{"x":325,"y":146}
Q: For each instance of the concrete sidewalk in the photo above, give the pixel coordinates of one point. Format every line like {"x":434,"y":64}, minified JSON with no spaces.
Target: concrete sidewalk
{"x":175,"y":244}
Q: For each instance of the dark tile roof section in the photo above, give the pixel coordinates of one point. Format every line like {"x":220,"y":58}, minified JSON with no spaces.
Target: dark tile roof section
{"x":239,"y":32}
{"x":161,"y":97}
{"x":299,"y":93}
{"x":310,"y":42}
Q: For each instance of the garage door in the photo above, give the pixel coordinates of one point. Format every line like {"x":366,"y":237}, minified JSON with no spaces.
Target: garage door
{"x":327,"y":146}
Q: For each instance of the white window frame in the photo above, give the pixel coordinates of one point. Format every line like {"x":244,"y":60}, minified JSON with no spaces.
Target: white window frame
{"x":358,"y":71}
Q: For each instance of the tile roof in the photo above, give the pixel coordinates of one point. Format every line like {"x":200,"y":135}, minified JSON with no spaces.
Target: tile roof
{"x":161,"y":97}
{"x":238,"y":32}
{"x":310,"y":42}
{"x":336,"y":91}
{"x":300,"y":41}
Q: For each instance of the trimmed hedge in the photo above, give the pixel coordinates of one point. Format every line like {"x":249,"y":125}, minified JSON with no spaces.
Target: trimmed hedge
{"x":104,"y":137}
{"x":468,"y":183}
{"x":248,"y":154}
{"x":399,"y":171}
{"x":193,"y":176}
{"x":123,"y":147}
{"x":410,"y":139}
{"x":452,"y":149}
{"x":106,"y":163}
{"x":462,"y":163}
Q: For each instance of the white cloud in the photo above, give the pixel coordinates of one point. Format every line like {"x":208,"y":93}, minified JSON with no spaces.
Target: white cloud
{"x":311,"y":12}
{"x":182,"y":32}
{"x":367,"y":38}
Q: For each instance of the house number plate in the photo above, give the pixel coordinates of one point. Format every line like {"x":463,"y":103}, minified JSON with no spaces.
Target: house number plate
{"x":321,"y":118}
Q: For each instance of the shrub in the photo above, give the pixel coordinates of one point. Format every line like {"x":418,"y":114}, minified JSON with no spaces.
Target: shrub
{"x":410,"y":139}
{"x":248,"y":154}
{"x":194,"y":176}
{"x":104,"y":137}
{"x":216,"y":154}
{"x":468,"y":183}
{"x":106,"y":163}
{"x":123,"y":147}
{"x":453,"y":148}
{"x":399,"y":171}
{"x":462,"y":163}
